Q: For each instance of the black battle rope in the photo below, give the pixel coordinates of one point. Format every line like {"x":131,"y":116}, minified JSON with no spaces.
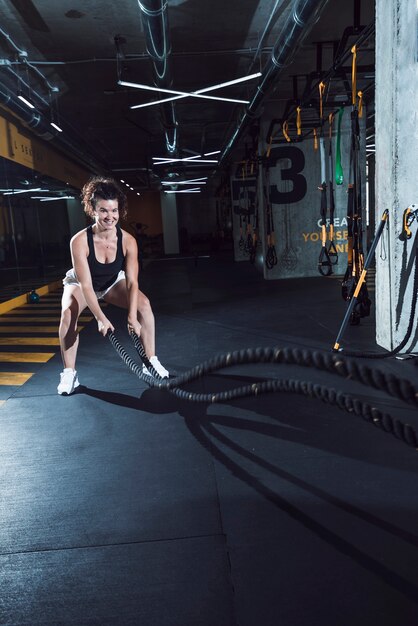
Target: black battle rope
{"x":334,"y":364}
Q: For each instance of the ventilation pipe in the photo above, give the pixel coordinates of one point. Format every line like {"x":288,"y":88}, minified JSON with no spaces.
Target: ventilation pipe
{"x":303,"y":15}
{"x":41,"y":127}
{"x":155,"y":21}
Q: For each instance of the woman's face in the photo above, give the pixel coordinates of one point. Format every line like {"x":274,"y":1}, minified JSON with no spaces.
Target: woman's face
{"x":106,"y":213}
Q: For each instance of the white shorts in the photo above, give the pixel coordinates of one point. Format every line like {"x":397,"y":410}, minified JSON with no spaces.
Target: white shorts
{"x":71,"y":279}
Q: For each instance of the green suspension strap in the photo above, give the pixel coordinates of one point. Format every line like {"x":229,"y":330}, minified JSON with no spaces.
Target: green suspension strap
{"x":339,"y":174}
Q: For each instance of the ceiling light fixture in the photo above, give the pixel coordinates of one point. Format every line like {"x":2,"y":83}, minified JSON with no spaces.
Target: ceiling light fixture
{"x":16,"y":191}
{"x":196,"y":162}
{"x":25,"y":101}
{"x":183,"y":182}
{"x":49,"y":198}
{"x":199,"y":93}
{"x":193,"y":190}
{"x":56,"y":127}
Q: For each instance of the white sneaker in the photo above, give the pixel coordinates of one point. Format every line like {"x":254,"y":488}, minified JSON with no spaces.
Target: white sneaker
{"x":157,"y":366}
{"x":68,"y":382}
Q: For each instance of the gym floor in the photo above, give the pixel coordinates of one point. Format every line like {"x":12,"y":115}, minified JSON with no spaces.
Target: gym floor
{"x":122,"y":504}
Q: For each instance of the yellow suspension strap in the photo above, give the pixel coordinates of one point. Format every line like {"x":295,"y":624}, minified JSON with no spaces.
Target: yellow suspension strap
{"x":354,"y":76}
{"x":299,"y":121}
{"x":315,"y":140}
{"x":355,"y":263}
{"x":321,"y":88}
{"x":332,"y":250}
{"x":360,"y":103}
{"x":285,"y":130}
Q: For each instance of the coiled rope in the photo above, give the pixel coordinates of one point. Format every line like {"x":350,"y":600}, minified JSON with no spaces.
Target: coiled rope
{"x":331,"y":363}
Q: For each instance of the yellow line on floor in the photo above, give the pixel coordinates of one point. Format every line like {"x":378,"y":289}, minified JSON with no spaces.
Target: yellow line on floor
{"x":38,"y":319}
{"x":25,"y":357}
{"x":29,"y":341}
{"x":14,"y":378}
{"x":31,"y":329}
{"x":30,"y":311}
{"x":22,"y":299}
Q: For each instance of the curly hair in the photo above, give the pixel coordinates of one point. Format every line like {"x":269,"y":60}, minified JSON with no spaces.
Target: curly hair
{"x":106,"y":189}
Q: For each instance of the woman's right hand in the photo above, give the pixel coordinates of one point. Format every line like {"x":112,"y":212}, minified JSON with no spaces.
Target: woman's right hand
{"x":104,"y":325}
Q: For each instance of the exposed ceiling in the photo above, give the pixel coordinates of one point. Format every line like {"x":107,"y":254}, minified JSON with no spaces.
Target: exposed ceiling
{"x":84,"y":47}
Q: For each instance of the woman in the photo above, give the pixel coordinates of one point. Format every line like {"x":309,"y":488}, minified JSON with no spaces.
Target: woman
{"x":105,"y":267}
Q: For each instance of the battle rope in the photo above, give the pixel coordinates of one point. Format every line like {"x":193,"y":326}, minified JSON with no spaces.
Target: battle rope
{"x":334,"y":364}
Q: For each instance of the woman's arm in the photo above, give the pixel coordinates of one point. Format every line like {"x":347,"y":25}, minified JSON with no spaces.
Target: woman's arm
{"x":79,"y":251}
{"x":131,"y":272}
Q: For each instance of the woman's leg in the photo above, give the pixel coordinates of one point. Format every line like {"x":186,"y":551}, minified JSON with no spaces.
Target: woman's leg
{"x":72,"y":303}
{"x":118,"y":296}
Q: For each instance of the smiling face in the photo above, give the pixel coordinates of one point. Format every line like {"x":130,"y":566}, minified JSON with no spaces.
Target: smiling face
{"x":106,"y":214}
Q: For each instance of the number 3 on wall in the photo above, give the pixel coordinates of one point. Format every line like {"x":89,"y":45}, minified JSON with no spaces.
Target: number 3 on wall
{"x":297,"y":162}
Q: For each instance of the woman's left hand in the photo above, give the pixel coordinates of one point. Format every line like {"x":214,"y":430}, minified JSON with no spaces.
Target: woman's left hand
{"x":134,"y":327}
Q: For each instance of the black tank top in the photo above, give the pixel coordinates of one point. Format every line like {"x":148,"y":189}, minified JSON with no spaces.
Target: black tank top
{"x":103,"y":275}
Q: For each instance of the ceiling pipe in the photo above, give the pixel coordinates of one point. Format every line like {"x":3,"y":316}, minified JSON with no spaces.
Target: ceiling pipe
{"x":303,"y":15}
{"x":154,"y":17}
{"x":40,"y":125}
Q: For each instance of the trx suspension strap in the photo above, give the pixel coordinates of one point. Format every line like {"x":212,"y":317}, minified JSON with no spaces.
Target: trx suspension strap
{"x":324,"y":261}
{"x":354,"y":217}
{"x":361,"y":282}
{"x":332,"y":250}
{"x":271,"y":255}
{"x":289,"y":257}
{"x":252,"y":236}
{"x":339,"y":174}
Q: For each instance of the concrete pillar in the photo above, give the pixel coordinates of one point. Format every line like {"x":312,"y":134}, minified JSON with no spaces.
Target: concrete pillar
{"x":76,"y":216}
{"x":396,"y":172}
{"x":170,"y":224}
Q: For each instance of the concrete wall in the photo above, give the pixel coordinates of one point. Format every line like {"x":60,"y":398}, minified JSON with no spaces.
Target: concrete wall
{"x":396,"y":172}
{"x":292,"y":173}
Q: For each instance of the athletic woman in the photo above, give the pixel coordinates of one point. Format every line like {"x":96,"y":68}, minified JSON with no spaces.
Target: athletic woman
{"x":105,"y":267}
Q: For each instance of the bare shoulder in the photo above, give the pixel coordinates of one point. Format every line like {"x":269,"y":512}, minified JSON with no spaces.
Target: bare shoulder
{"x":128,"y":239}
{"x":79,"y":240}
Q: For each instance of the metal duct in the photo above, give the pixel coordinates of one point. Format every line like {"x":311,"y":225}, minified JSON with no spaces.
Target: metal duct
{"x":155,"y":21}
{"x":42,"y":128}
{"x":304,"y":14}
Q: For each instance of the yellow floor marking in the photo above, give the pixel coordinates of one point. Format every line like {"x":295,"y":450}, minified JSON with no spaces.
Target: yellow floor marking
{"x":23,"y":311}
{"x":38,"y":319}
{"x":25,"y":357}
{"x":14,"y":378}
{"x":29,"y":341}
{"x":31,"y":329}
